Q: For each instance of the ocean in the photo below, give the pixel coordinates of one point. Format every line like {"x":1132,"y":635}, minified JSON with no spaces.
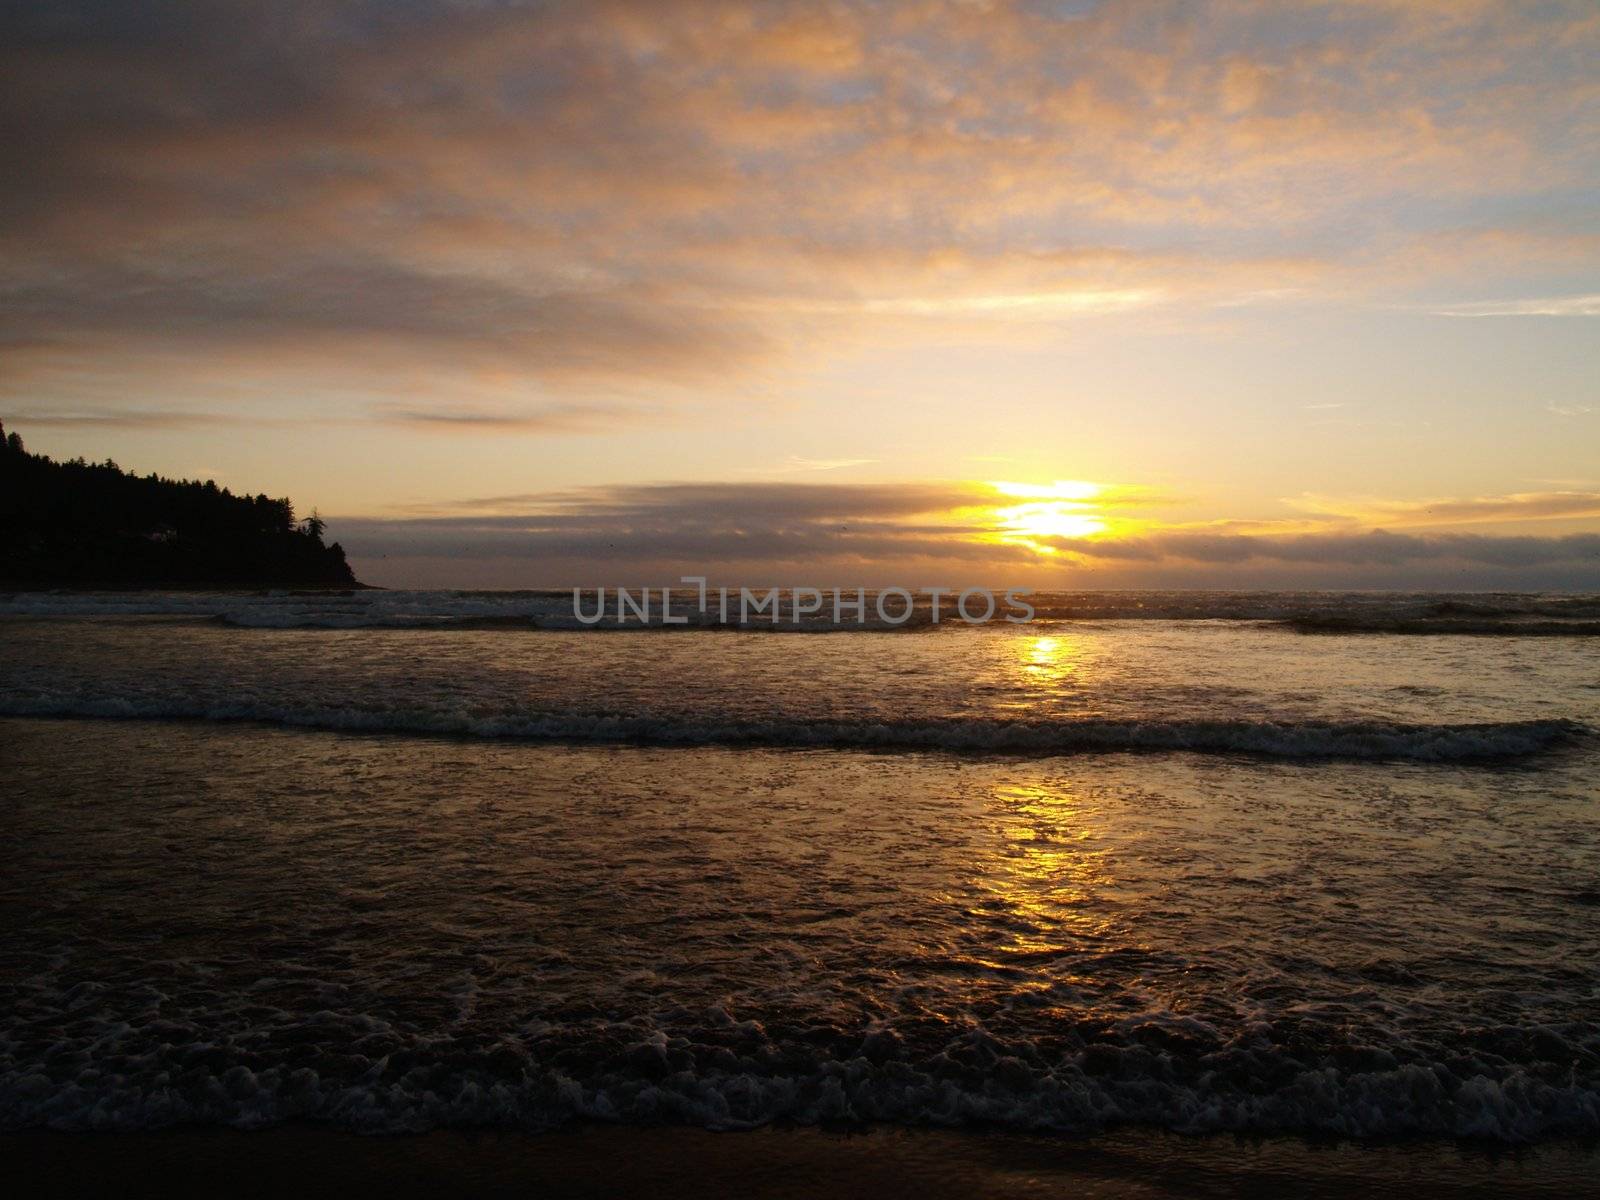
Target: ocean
{"x":1306,"y":864}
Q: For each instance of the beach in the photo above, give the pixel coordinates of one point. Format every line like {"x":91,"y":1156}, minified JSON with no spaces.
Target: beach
{"x":609,"y":1161}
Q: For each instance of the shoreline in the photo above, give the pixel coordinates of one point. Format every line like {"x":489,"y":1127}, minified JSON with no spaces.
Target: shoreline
{"x":606,"y":1160}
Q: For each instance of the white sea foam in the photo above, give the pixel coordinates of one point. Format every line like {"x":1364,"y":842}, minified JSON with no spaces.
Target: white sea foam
{"x":171,"y":1085}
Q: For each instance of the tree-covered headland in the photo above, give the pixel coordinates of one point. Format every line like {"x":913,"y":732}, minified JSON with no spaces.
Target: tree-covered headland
{"x":94,"y":525}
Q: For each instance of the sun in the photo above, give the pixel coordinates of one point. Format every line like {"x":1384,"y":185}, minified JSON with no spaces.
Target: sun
{"x":1049,"y":520}
{"x":1063,"y":509}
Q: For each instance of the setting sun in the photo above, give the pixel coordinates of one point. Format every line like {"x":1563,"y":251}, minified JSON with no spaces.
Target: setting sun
{"x":1063,"y":509}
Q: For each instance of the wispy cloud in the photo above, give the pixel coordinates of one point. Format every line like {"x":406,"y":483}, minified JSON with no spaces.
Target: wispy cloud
{"x":797,"y":463}
{"x":1552,"y":306}
{"x":122,"y":419}
{"x":554,"y":418}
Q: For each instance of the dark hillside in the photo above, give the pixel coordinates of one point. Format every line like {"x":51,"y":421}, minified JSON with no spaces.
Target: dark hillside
{"x":83,"y":524}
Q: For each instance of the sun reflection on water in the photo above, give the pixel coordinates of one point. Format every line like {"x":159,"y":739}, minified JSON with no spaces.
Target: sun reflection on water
{"x":1043,"y":670}
{"x":1051,"y":657}
{"x":1050,"y":872}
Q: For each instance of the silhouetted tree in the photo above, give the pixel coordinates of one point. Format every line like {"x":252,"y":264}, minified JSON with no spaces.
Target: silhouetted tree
{"x":93,"y":524}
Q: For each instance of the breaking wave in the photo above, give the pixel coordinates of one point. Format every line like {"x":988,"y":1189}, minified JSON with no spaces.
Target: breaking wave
{"x":1157,"y":1070}
{"x":1461,"y":626}
{"x":1331,"y":612}
{"x":1458,"y":742}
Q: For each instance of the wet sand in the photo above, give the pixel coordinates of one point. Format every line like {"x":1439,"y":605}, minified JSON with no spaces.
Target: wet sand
{"x":604,"y":1161}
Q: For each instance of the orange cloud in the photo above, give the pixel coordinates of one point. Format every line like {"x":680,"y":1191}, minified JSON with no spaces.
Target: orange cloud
{"x":585,"y":196}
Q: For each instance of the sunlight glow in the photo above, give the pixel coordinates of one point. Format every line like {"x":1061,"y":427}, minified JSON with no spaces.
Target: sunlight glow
{"x":1063,"y":509}
{"x":1049,"y":520}
{"x":1061,"y":489}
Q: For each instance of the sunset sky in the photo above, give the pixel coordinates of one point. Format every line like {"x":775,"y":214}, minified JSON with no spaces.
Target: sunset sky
{"x":1059,"y":293}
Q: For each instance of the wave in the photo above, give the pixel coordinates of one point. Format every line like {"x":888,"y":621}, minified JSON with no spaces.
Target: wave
{"x":1460,"y":626}
{"x":369,"y":1077}
{"x":1521,"y":614}
{"x":1460,"y":742}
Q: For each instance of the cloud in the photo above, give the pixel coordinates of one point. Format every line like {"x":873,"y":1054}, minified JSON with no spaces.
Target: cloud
{"x":1519,"y":506}
{"x":130,"y":419}
{"x":670,"y":504}
{"x":797,"y":463}
{"x":550,"y":418}
{"x":1555,"y":306}
{"x":576,"y":198}
{"x":832,"y":530}
{"x":1374,"y":548}
{"x":654,"y":530}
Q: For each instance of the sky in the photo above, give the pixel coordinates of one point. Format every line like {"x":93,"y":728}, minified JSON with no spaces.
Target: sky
{"x":1052,"y":293}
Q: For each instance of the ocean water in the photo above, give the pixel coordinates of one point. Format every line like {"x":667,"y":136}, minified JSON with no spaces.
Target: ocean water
{"x":1299,"y":863}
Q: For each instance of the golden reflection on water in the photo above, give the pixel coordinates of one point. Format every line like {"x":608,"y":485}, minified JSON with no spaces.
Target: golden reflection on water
{"x":1051,"y":871}
{"x":1052,"y":865}
{"x":1043,"y":665}
{"x":1051,"y":657}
